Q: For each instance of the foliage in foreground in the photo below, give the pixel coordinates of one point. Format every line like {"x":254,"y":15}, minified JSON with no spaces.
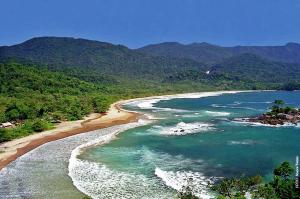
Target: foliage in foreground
{"x":281,"y":187}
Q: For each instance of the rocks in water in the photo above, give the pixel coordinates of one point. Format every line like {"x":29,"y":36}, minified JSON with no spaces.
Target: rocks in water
{"x":278,"y":119}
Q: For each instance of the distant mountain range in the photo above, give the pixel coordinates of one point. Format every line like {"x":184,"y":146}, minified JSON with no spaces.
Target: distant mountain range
{"x":208,"y":53}
{"x":169,"y":63}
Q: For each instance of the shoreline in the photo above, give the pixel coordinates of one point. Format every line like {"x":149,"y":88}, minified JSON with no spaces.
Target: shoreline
{"x":10,"y":151}
{"x":116,"y":115}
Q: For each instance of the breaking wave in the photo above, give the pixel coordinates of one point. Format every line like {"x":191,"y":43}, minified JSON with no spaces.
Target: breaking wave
{"x":215,"y":113}
{"x":148,"y":103}
{"x":179,"y":180}
{"x":182,"y":128}
{"x":246,"y":122}
{"x":244,"y":142}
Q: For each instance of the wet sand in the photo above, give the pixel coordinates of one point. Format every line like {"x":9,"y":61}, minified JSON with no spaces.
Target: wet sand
{"x":11,"y":150}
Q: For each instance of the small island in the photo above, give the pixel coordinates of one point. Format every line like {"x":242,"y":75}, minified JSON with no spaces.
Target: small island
{"x":279,"y":115}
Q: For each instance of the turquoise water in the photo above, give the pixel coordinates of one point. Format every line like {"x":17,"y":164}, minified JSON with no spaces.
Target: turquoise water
{"x":197,"y":139}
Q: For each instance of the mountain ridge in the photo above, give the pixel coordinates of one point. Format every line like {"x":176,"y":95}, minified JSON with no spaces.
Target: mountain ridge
{"x":102,"y":62}
{"x":211,"y":54}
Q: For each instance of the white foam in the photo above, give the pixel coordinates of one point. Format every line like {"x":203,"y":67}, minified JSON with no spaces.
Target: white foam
{"x":98,"y":181}
{"x":190,"y":115}
{"x":216,"y":113}
{"x":148,"y":103}
{"x":183,"y":128}
{"x":244,"y":142}
{"x":233,"y":106}
{"x":244,"y":121}
{"x":179,"y":180}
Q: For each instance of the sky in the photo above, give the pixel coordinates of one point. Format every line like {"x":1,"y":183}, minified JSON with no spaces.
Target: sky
{"x":136,"y":23}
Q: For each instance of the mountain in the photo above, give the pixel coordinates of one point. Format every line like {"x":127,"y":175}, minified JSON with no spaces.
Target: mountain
{"x":201,"y":52}
{"x":211,"y":54}
{"x":168,"y":66}
{"x":49,"y":79}
{"x":253,"y":68}
{"x":94,"y":60}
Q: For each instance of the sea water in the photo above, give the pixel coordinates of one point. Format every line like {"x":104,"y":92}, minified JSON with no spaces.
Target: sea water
{"x":192,"y":141}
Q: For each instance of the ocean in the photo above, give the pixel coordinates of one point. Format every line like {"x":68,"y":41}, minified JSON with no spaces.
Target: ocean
{"x":192,"y":140}
{"x":188,"y":140}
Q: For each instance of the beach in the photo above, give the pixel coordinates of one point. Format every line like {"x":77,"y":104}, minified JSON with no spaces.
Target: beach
{"x":10,"y":151}
{"x":59,"y":151}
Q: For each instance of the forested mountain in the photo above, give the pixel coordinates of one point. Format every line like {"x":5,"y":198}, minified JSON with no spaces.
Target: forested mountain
{"x":95,"y":61}
{"x":108,"y":64}
{"x":52,"y":79}
{"x":252,"y":68}
{"x":211,"y":54}
{"x":32,"y":98}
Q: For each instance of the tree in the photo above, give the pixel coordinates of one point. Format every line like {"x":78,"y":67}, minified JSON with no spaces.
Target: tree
{"x":266,"y":192}
{"x":281,"y":187}
{"x":282,"y":183}
{"x":277,"y":107}
{"x":284,"y":170}
{"x":279,"y":102}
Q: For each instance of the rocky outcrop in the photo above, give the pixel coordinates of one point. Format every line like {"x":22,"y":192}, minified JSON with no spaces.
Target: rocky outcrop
{"x":278,"y":119}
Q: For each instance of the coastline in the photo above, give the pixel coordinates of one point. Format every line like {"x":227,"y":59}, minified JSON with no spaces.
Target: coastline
{"x":77,"y":168}
{"x":10,"y":151}
{"x":60,"y":156}
{"x":116,"y":115}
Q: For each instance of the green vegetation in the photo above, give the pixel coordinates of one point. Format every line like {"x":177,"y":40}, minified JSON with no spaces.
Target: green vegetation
{"x":86,"y":197}
{"x":34,"y":98}
{"x":281,"y":187}
{"x":54,"y":79}
{"x":278,"y":107}
{"x":212,"y":54}
{"x":173,"y":67}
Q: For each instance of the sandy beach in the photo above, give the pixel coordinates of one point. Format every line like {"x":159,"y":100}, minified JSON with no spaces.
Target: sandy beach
{"x":10,"y":151}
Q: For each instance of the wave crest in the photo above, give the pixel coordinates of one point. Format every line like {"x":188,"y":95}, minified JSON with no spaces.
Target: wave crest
{"x":179,"y":180}
{"x":183,"y":128}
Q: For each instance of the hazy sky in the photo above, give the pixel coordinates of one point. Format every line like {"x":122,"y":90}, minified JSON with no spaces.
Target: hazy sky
{"x":139,"y":22}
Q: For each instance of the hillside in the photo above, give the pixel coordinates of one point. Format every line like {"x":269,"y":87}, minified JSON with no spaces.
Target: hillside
{"x":32,"y":98}
{"x":211,"y":54}
{"x":101,"y":62}
{"x":50,"y":79}
{"x":134,"y":72}
{"x":252,"y":68}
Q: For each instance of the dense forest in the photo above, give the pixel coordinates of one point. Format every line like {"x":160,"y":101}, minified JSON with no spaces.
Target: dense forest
{"x":51,"y":79}
{"x":34,"y":98}
{"x":212,"y":54}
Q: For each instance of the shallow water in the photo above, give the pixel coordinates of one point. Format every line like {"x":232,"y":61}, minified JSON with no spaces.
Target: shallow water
{"x":195,"y":141}
{"x":43,"y":172}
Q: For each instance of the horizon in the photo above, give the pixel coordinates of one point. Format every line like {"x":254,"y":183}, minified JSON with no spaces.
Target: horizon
{"x":163,"y":42}
{"x":136,"y":23}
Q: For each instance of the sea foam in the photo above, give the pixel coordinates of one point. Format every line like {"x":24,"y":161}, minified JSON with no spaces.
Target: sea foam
{"x":183,"y":128}
{"x":179,"y":180}
{"x":98,"y":181}
{"x":216,"y":113}
{"x":148,"y":103}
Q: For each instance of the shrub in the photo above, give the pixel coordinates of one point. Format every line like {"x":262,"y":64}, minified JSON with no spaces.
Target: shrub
{"x":39,"y":125}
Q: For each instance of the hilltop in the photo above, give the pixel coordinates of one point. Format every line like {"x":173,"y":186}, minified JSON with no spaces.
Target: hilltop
{"x":174,"y":64}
